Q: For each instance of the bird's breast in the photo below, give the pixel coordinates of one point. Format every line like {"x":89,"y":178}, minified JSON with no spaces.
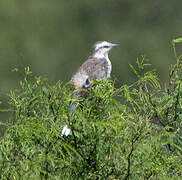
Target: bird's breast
{"x":108,"y":67}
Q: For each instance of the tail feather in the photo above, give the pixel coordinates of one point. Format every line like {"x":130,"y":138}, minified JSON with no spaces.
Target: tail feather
{"x":72,"y":107}
{"x":76,"y":96}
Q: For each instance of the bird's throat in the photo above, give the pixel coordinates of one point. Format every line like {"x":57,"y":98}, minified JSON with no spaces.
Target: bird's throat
{"x":99,"y":55}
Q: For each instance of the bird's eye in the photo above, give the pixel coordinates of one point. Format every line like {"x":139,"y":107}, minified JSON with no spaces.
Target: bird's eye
{"x":105,"y":46}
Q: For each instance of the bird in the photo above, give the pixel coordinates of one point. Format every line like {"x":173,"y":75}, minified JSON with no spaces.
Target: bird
{"x":97,"y":66}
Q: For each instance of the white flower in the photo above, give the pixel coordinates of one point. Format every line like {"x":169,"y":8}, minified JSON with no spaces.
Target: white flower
{"x":65,"y":131}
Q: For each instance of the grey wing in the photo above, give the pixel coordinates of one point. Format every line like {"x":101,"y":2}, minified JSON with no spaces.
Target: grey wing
{"x":95,"y":68}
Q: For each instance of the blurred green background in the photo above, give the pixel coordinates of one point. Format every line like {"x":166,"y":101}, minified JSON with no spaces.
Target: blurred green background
{"x":54,"y":37}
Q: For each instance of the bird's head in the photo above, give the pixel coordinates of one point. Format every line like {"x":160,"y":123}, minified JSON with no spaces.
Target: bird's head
{"x":101,"y":49}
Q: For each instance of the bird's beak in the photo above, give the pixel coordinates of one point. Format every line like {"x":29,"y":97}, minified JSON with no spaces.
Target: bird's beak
{"x":114,"y":45}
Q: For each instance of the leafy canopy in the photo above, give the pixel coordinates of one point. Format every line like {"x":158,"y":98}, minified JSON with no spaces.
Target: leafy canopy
{"x":131,"y":132}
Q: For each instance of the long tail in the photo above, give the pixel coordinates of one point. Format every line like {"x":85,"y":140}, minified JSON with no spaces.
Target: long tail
{"x":74,"y":104}
{"x":72,"y":107}
{"x":76,"y":96}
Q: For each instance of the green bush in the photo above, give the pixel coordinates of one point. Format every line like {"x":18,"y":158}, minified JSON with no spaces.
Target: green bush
{"x":131,"y":132}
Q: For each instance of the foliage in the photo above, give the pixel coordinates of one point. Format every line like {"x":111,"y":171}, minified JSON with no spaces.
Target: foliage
{"x":131,"y":132}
